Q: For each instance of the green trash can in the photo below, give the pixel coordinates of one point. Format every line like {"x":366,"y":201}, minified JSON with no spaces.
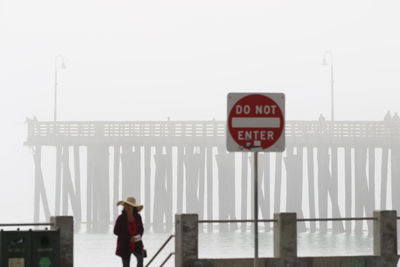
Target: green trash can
{"x":45,"y":248}
{"x":15,"y":248}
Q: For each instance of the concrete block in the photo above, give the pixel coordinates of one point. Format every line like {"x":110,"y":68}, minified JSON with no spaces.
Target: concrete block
{"x":285,"y":237}
{"x":385,"y":233}
{"x":66,"y":226}
{"x":186,"y":239}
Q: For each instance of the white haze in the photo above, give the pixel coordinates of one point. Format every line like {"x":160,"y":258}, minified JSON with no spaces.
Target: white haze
{"x":153,"y":59}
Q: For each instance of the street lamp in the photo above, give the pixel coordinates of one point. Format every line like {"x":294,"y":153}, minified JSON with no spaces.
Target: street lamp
{"x":58,"y":64}
{"x":325,"y":62}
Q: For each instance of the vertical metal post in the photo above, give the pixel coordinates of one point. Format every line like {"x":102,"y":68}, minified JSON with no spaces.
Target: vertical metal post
{"x":332,"y":92}
{"x":325,"y":63}
{"x":55,"y":90}
{"x":56,"y":60}
{"x":255,"y":209}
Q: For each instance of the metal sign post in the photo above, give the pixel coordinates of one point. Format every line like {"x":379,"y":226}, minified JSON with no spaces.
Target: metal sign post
{"x":255,"y":208}
{"x":256,"y":122}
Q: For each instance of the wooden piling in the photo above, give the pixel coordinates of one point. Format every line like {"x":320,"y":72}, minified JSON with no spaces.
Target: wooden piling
{"x":210,"y":181}
{"x":362,"y":193}
{"x":244,"y":183}
{"x":311,"y":186}
{"x":348,"y":197}
{"x":278,"y":182}
{"x":58,"y":180}
{"x":294,"y":184}
{"x":116,"y":182}
{"x":323,"y":176}
{"x":384,"y":177}
{"x":40,"y":190}
{"x":147,"y":185}
{"x":77,"y":180}
{"x":226,"y":183}
{"x":337,"y":227}
{"x":180,"y":171}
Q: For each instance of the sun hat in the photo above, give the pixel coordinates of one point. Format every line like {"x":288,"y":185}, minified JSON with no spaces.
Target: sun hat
{"x":130,"y":201}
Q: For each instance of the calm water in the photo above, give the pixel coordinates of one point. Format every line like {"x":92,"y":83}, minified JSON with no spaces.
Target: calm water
{"x":98,"y":249}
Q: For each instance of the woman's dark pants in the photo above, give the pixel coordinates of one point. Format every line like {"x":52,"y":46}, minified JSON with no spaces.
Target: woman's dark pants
{"x":139,"y":258}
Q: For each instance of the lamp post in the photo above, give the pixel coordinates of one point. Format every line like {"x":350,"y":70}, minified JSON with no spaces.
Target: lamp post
{"x":58,"y":64}
{"x":330,"y":63}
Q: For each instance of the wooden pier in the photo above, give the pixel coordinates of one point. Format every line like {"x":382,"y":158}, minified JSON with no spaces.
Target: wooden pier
{"x":183,"y":166}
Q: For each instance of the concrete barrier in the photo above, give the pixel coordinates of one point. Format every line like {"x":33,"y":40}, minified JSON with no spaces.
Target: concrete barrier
{"x":285,"y":246}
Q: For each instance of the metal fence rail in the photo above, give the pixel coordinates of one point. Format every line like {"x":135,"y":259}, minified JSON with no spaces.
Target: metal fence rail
{"x":235,"y":221}
{"x":165,"y":261}
{"x":159,"y":250}
{"x":336,"y":219}
{"x":285,"y":242}
{"x":298,"y":219}
{"x":25,"y":224}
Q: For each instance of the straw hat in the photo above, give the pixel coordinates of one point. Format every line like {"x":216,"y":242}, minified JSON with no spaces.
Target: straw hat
{"x":130,"y":201}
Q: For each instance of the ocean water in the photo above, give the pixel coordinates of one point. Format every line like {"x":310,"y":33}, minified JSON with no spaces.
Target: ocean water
{"x":99,"y":249}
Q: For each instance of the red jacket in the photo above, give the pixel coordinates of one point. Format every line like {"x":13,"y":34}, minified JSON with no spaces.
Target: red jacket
{"x":124,"y":237}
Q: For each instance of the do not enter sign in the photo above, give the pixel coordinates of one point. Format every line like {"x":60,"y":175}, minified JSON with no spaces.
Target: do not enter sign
{"x":256,"y":122}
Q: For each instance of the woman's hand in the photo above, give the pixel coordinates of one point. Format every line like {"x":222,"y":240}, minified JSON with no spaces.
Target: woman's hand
{"x":136,"y":238}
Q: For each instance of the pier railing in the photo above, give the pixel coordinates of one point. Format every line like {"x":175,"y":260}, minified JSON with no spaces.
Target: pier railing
{"x":285,"y":243}
{"x":70,"y":132}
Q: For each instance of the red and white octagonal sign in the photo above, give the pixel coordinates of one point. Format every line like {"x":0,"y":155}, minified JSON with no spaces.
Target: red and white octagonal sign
{"x":256,"y":122}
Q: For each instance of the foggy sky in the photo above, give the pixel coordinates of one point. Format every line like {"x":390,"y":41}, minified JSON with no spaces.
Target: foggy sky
{"x":149,"y":60}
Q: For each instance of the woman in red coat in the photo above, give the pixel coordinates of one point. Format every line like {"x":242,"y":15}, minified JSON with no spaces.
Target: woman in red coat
{"x":129,"y":229}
